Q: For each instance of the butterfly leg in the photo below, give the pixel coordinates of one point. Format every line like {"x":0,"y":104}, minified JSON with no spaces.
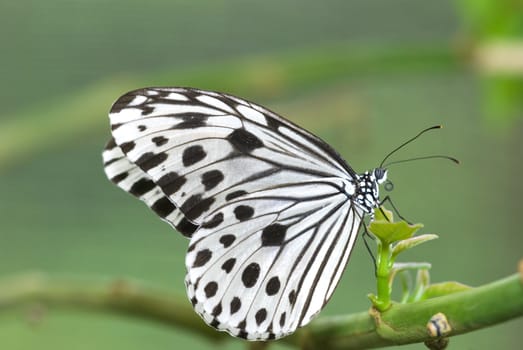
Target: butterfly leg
{"x":383,"y":213}
{"x":366,"y":235}
{"x":388,"y":199}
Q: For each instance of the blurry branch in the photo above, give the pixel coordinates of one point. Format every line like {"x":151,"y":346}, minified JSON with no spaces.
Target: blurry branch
{"x":117,"y":296}
{"x":84,"y":112}
{"x":465,"y":311}
{"x":493,"y":31}
{"x":500,"y":63}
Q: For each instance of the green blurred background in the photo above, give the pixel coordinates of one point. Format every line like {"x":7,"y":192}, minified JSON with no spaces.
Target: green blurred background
{"x":363,"y":75}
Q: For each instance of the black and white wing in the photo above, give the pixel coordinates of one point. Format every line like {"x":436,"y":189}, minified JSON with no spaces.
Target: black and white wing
{"x":131,"y":178}
{"x":266,"y":204}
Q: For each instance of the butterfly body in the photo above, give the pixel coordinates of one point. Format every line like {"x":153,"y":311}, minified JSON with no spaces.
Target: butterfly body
{"x":272,"y":211}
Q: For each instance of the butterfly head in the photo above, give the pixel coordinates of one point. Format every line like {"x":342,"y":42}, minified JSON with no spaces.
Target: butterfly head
{"x":380,"y":175}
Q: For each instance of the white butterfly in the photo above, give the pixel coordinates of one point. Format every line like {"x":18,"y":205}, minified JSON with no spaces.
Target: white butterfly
{"x":272,"y":211}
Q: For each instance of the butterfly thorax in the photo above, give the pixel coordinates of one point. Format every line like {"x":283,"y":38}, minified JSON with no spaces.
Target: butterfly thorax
{"x":367,"y":194}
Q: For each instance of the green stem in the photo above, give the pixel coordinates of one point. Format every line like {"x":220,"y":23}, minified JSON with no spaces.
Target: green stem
{"x":466,"y":311}
{"x":382,"y":302}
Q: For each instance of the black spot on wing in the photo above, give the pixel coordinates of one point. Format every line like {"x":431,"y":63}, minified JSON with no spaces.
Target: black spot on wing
{"x":242,"y":334}
{"x":142,"y":128}
{"x":147,"y":110}
{"x":250,"y":275}
{"x":292,"y":297}
{"x":211,"y":179}
{"x":235,"y":194}
{"x":210,"y":289}
{"x":243,"y":212}
{"x":163,"y":207}
{"x":126,"y":147}
{"x":242,"y":324}
{"x":282,"y":319}
{"x":273,"y":286}
{"x":192,"y":121}
{"x":229,"y":265}
{"x":202,"y":258}
{"x":236,"y":304}
{"x":192,"y":155}
{"x":195,"y":206}
{"x":191,"y":202}
{"x":227,"y":240}
{"x":115,"y":126}
{"x":217,"y":310}
{"x":215,"y":323}
{"x":141,"y":187}
{"x":150,"y":160}
{"x":273,"y":235}
{"x":186,"y":227}
{"x":216,"y":220}
{"x":244,"y":141}
{"x":260,"y":316}
{"x":117,"y":178}
{"x":159,"y":140}
{"x":171,"y":182}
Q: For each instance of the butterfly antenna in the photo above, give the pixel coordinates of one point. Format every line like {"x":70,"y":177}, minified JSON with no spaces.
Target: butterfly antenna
{"x":425,"y":157}
{"x":407,"y":142}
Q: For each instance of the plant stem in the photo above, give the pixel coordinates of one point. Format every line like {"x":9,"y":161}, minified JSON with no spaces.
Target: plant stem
{"x":466,"y":311}
{"x":382,"y":302}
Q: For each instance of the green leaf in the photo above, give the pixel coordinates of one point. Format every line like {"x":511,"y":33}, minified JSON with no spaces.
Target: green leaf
{"x":443,"y":288}
{"x":422,"y":283}
{"x":410,"y":243}
{"x":405,"y":281}
{"x":401,"y":268}
{"x":389,"y":232}
{"x":398,"y":267}
{"x":383,"y":215}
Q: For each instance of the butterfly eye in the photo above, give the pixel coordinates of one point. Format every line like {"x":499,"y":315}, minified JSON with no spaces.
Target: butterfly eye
{"x":389,"y":186}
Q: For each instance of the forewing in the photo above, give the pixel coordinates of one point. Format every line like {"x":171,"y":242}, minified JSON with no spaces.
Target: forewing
{"x":129,"y":177}
{"x":266,"y":263}
{"x":202,"y":148}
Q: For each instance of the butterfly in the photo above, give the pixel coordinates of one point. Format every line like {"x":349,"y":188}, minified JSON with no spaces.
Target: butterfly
{"x":272,"y":211}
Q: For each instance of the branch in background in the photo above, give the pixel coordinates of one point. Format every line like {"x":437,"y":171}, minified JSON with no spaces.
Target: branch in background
{"x":117,"y":296}
{"x":401,"y":324}
{"x":85,"y":111}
